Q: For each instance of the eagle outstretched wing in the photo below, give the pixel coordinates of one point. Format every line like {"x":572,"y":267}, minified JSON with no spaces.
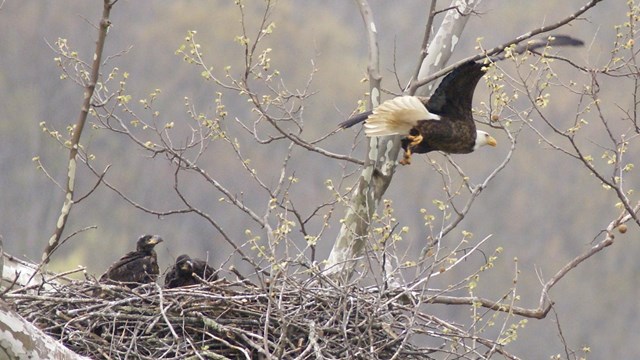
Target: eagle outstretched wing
{"x":454,"y":95}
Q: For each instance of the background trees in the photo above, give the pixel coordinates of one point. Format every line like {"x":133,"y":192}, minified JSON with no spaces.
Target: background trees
{"x":544,"y":208}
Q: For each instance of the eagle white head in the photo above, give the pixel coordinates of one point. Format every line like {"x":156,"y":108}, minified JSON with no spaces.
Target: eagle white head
{"x":483,"y":138}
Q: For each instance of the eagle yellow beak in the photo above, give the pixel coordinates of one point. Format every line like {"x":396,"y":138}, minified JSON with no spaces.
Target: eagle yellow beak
{"x":154,"y":240}
{"x":186,"y":266}
{"x":491,"y":141}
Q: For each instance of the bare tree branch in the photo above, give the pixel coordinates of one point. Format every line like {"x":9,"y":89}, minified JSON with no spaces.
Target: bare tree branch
{"x":75,"y":140}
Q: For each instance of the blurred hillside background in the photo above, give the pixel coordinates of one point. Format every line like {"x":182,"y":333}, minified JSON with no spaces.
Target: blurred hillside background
{"x":543,"y":208}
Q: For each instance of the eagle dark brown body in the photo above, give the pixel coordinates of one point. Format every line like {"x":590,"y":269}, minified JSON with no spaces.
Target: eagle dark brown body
{"x":455,"y":132}
{"x":181,"y":273}
{"x":136,"y":267}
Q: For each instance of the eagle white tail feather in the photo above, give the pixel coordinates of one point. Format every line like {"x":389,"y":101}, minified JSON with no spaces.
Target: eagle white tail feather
{"x":397,"y":117}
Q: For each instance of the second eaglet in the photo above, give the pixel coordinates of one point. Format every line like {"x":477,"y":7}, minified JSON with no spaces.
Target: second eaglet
{"x":182,"y":273}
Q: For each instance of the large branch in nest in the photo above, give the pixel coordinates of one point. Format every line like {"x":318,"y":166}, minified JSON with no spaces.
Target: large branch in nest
{"x":19,"y":337}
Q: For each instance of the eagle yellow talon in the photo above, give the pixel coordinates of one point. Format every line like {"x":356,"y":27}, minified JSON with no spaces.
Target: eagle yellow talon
{"x":406,"y":160}
{"x":415,"y":140}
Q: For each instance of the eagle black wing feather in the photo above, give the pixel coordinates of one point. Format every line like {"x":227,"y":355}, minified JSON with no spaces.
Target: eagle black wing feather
{"x":358,"y":118}
{"x":454,"y":95}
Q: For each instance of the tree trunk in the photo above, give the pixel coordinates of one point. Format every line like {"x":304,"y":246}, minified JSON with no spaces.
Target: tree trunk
{"x":382,"y":152}
{"x":19,"y":339}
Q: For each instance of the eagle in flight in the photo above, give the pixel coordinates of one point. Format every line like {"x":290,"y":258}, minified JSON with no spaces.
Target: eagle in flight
{"x":136,"y":267}
{"x":181,"y":274}
{"x":443,"y":122}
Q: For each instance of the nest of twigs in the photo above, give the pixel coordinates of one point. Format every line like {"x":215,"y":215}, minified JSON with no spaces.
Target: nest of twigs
{"x":221,"y":320}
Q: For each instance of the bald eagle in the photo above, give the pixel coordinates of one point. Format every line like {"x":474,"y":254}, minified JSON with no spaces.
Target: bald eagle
{"x":136,"y":267}
{"x":181,"y":274}
{"x":442,"y":122}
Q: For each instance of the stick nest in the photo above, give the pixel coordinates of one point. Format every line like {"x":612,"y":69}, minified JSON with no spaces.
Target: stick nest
{"x":220,"y":320}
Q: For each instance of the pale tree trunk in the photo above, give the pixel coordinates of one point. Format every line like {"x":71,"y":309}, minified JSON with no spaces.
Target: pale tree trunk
{"x":382,"y":153}
{"x":20,"y":339}
{"x":353,"y":233}
{"x":445,"y":41}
